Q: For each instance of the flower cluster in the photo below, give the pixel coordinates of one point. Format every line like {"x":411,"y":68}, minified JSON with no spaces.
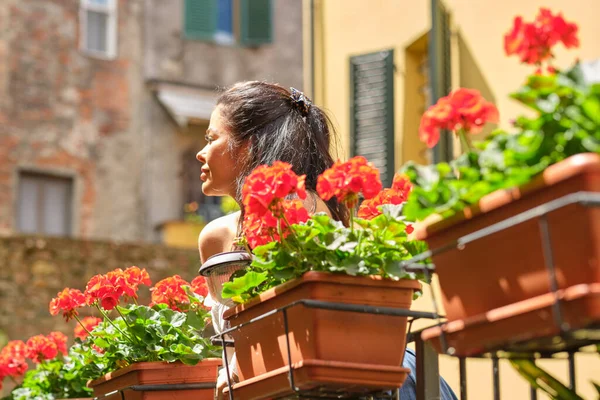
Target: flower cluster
{"x":13,"y":361}
{"x":262,"y":230}
{"x":266,"y":187}
{"x":463,"y":110}
{"x":170,"y":291}
{"x":266,"y":193}
{"x":108,"y":289}
{"x":67,"y":301}
{"x":395,"y":195}
{"x":40,"y":347}
{"x":532,"y":42}
{"x":346,"y":180}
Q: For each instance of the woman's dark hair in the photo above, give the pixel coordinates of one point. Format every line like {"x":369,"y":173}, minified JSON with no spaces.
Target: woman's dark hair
{"x":277,"y":126}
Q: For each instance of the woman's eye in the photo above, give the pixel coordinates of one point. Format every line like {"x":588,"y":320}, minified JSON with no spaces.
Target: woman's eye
{"x":208,"y":139}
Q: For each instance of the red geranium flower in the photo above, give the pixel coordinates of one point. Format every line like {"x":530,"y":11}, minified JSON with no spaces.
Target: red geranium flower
{"x":90,"y":323}
{"x":263,"y":230}
{"x":105,"y":289}
{"x":40,"y":348}
{"x":12,"y":359}
{"x":267,"y":185}
{"x":462,"y":109}
{"x":532,"y":42}
{"x":67,"y":301}
{"x":170,"y":291}
{"x":60,"y":339}
{"x":397,"y":194}
{"x":133,"y":277}
{"x":345,"y":180}
{"x":199,"y":286}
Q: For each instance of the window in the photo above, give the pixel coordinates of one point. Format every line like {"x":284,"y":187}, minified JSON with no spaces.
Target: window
{"x":440,"y":73}
{"x":44,"y":204}
{"x":372,"y":110}
{"x":248,"y":22}
{"x":98,"y":27}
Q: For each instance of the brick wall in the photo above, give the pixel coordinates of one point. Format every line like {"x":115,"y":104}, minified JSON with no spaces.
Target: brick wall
{"x":65,"y":112}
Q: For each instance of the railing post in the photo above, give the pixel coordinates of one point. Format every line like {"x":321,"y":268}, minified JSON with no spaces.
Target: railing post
{"x":428,"y":374}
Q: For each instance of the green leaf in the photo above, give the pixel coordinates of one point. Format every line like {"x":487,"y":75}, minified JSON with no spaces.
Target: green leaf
{"x":542,"y":380}
{"x":243,"y":284}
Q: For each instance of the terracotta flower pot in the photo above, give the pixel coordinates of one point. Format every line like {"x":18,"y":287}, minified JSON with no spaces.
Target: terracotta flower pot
{"x":143,"y":381}
{"x":333,"y":347}
{"x":524,"y":326}
{"x":508,"y":267}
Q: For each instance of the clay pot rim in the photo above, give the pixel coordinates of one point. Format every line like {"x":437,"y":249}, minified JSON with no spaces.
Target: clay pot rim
{"x":319,"y":276}
{"x":148,"y":365}
{"x":536,"y":303}
{"x":570,"y":167}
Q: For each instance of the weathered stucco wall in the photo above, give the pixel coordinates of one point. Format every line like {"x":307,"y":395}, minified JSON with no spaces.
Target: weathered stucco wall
{"x":169,"y":56}
{"x":34,"y":269}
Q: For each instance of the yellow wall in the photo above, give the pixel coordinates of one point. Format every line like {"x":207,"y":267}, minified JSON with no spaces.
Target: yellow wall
{"x":182,"y":234}
{"x":344,"y":28}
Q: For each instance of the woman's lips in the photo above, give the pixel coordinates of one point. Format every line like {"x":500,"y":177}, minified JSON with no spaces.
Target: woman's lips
{"x":204,"y":175}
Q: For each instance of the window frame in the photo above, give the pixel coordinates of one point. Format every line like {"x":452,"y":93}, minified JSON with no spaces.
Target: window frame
{"x":111,"y":10}
{"x":72,"y":222}
{"x":239,"y":27}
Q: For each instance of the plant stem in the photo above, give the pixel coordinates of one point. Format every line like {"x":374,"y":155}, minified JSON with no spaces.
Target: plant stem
{"x":106,"y":317}
{"x":83,"y":326}
{"x":129,"y":326}
{"x":292,"y":233}
{"x":464,"y":140}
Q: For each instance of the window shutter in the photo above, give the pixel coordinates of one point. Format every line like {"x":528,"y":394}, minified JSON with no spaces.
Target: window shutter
{"x":440,"y":73}
{"x":200,"y":19}
{"x":372,"y":110}
{"x":256,"y":22}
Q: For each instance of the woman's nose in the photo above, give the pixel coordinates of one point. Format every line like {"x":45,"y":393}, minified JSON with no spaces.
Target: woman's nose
{"x":200,"y":157}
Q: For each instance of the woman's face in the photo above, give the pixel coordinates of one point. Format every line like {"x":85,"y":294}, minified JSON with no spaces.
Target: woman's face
{"x":220,"y":170}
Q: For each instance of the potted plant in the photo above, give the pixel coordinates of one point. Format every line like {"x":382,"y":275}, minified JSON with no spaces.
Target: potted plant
{"x":498,"y":288}
{"x":57,"y":374}
{"x":297,"y":256}
{"x":159,"y":348}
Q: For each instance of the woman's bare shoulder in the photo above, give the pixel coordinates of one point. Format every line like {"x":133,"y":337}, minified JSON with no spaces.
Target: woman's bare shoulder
{"x":218,"y":235}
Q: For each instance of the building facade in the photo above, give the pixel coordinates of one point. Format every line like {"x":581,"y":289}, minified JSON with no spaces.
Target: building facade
{"x":104,"y":104}
{"x":377,"y":65}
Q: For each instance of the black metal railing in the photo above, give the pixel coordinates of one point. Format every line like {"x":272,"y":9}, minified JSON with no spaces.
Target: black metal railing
{"x":572,"y":340}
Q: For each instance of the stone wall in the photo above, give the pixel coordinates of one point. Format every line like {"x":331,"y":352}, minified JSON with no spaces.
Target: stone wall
{"x":34,"y":269}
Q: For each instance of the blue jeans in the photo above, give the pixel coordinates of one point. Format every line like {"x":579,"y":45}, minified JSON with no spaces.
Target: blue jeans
{"x":408,"y":391}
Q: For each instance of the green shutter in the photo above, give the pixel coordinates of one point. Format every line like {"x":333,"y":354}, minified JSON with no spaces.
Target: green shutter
{"x":256,"y":22}
{"x":372,"y":110}
{"x":440,"y":73}
{"x":200,"y":19}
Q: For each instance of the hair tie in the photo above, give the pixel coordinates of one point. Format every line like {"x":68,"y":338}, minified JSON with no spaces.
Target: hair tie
{"x":301,"y":101}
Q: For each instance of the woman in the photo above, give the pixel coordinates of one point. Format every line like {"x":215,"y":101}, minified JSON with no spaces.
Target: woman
{"x":256,"y":123}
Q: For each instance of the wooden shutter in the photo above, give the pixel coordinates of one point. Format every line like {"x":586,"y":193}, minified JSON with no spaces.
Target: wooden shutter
{"x":256,"y":22}
{"x":372,"y":110}
{"x":200,"y":19}
{"x":440,"y":73}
